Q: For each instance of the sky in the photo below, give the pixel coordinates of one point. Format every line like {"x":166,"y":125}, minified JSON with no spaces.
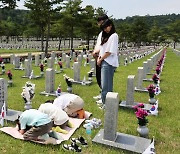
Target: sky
{"x":120,"y":9}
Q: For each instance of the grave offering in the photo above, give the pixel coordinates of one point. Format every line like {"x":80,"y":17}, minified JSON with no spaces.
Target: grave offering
{"x":151,"y":90}
{"x":155,"y":79}
{"x":125,"y":61}
{"x":3,"y":67}
{"x":45,"y":60}
{"x":90,"y":75}
{"x":42,"y":69}
{"x":9,"y":74}
{"x":142,"y":121}
{"x":109,"y":136}
{"x":32,"y":76}
{"x":28,"y":94}
{"x":69,"y":82}
{"x":60,"y":66}
{"x":58,"y":91}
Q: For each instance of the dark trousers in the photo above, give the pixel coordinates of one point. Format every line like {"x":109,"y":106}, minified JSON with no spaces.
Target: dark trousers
{"x":98,"y":75}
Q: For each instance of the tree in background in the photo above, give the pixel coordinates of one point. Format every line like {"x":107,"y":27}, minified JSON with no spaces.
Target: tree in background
{"x":59,"y":30}
{"x":41,"y":12}
{"x":124,"y":32}
{"x":155,"y":35}
{"x":8,"y":4}
{"x":139,"y":31}
{"x":88,"y":25}
{"x":71,"y":17}
{"x":174,"y":32}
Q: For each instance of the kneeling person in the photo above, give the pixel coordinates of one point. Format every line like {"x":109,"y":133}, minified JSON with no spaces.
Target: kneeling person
{"x":33,"y":123}
{"x":57,"y":115}
{"x":72,"y":104}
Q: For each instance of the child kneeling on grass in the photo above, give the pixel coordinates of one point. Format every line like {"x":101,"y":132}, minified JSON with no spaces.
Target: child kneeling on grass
{"x":58,"y":116}
{"x":33,"y":124}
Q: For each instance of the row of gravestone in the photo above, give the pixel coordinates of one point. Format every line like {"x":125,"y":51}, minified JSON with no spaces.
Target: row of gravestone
{"x":177,"y":52}
{"x":142,"y":72}
{"x":110,"y":130}
{"x":109,"y":136}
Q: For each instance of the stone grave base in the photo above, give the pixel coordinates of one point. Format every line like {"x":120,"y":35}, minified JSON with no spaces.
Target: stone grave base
{"x":12,"y":115}
{"x":35,"y":77}
{"x":147,"y":79}
{"x":52,"y":93}
{"x":146,"y":106}
{"x":150,"y":73}
{"x":19,"y":69}
{"x":140,"y":90}
{"x":124,"y":141}
{"x":80,"y":82}
{"x":10,"y":83}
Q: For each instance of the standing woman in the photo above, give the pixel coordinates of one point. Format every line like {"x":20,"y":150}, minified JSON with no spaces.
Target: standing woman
{"x":108,"y":57}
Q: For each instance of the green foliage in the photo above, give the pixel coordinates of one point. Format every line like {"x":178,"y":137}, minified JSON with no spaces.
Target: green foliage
{"x":8,"y":4}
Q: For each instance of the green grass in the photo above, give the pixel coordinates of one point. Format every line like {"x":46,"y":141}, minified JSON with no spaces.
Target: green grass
{"x":165,"y":127}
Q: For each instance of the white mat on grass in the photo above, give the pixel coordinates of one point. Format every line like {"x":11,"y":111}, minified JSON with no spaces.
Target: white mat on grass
{"x":12,"y":131}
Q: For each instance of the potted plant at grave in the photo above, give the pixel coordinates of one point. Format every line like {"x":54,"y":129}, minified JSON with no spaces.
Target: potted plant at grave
{"x":158,"y":70}
{"x":155,"y":79}
{"x":60,"y":65}
{"x":3,"y":67}
{"x":151,"y":90}
{"x":42,"y":69}
{"x":69,"y":83}
{"x":9,"y":74}
{"x":90,"y":74}
{"x":142,"y":120}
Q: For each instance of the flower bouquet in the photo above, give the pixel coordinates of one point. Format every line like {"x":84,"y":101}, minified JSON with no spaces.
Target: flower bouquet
{"x":69,"y":83}
{"x":60,"y":65}
{"x":155,"y":79}
{"x":158,"y":70}
{"x":151,"y":90}
{"x":41,"y":67}
{"x":9,"y":74}
{"x":142,"y":120}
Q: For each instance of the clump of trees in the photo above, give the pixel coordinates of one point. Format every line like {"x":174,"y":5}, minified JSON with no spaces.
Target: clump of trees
{"x":67,"y":19}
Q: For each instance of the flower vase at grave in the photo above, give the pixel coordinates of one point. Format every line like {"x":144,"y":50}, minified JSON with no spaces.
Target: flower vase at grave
{"x":151,"y":90}
{"x":69,"y":89}
{"x":143,"y":131}
{"x":152,"y":100}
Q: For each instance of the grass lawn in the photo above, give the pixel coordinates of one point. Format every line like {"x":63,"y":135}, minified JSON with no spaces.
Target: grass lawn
{"x":165,"y":127}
